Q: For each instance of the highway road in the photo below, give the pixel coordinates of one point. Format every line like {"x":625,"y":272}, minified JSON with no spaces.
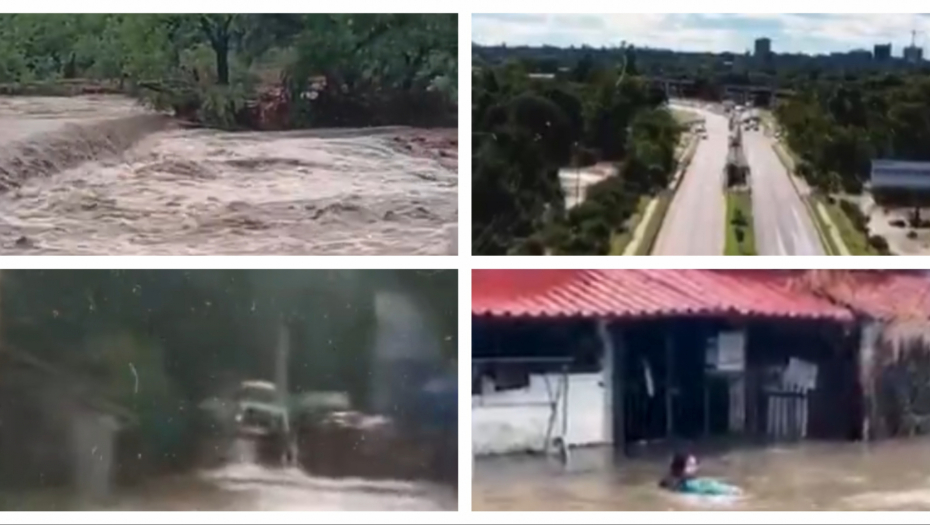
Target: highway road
{"x":783,"y":225}
{"x":694,"y":224}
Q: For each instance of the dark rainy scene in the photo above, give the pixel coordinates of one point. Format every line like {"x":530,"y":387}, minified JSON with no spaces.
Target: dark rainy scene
{"x":228,"y":390}
{"x":227,"y":134}
{"x":700,"y":390}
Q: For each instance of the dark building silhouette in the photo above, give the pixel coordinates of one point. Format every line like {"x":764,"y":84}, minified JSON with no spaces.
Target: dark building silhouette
{"x":882,"y":52}
{"x":763,"y":48}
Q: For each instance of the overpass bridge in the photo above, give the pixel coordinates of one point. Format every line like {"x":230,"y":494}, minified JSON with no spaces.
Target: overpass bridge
{"x":741,"y":94}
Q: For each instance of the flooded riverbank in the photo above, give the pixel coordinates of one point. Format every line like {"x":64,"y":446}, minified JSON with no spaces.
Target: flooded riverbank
{"x":23,"y":117}
{"x":186,"y":192}
{"x":812,"y":476}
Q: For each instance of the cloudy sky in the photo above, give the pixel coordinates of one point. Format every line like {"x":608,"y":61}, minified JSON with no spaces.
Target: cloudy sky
{"x":810,"y":33}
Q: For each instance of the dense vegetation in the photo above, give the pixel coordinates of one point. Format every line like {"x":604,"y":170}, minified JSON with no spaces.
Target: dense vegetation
{"x":157,"y":343}
{"x":837,"y":128}
{"x":840,"y":111}
{"x":837,"y":112}
{"x":321,"y":69}
{"x":527,"y":128}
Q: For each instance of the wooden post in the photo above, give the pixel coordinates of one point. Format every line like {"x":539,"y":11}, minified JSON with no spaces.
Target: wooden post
{"x":669,"y":377}
{"x":618,"y":402}
{"x":614,"y":354}
{"x":566,"y":378}
{"x":607,"y":379}
{"x":868,"y":339}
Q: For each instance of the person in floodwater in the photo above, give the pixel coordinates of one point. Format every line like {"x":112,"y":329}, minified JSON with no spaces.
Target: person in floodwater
{"x":682,"y":477}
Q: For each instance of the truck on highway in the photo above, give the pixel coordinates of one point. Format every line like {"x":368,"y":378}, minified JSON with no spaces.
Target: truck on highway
{"x":736,"y":170}
{"x":736,"y":138}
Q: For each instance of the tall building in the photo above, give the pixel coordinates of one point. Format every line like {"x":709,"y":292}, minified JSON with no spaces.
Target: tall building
{"x":763,"y":47}
{"x":882,"y":52}
{"x":913,"y":54}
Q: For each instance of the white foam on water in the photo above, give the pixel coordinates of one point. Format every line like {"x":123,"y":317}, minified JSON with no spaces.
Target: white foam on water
{"x":189,"y":192}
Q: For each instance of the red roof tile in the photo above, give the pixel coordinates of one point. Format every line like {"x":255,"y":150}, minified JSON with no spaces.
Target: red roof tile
{"x":643,"y":293}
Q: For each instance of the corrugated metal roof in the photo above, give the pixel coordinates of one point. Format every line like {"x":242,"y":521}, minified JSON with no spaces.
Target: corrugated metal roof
{"x":643,"y":293}
{"x":881,"y":294}
{"x":900,"y":174}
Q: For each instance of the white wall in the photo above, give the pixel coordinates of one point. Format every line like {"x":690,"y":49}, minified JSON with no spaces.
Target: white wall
{"x":498,"y":430}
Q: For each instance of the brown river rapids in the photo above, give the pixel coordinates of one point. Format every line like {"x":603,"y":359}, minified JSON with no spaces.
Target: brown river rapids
{"x":98,"y":175}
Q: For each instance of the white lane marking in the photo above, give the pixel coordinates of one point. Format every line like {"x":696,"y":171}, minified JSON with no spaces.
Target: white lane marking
{"x":782,"y":250}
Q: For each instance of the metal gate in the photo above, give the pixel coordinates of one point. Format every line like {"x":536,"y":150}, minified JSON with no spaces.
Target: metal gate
{"x":786,"y":414}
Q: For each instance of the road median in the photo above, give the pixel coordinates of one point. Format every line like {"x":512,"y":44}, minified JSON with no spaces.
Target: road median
{"x":740,"y":233}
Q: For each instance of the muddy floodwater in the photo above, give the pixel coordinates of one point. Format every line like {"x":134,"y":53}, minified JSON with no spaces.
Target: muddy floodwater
{"x":244,"y":485}
{"x":892,"y":475}
{"x":247,"y":486}
{"x":101,"y":176}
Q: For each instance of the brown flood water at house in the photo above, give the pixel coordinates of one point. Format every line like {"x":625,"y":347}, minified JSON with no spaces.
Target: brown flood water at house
{"x":101,"y":176}
{"x":892,"y":475}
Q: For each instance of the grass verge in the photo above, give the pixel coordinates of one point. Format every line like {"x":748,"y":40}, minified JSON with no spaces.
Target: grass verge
{"x":683,"y":116}
{"x":823,"y":229}
{"x":856,"y":241}
{"x":740,"y":236}
{"x":651,"y":233}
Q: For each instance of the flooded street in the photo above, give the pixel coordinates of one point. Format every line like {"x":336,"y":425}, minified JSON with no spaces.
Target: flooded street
{"x":187,"y":192}
{"x":814,"y":476}
{"x":243,"y":484}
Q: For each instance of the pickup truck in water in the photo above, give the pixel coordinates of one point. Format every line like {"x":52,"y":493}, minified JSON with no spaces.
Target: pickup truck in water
{"x":262,"y":414}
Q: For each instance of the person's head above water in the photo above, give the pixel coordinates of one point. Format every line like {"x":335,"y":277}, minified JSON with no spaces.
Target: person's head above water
{"x":683,"y":465}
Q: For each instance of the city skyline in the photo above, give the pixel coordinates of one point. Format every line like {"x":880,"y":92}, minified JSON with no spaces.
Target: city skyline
{"x":790,"y":33}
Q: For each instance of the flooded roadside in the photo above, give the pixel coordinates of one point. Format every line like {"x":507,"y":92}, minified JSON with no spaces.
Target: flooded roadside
{"x":187,"y":192}
{"x":251,"y":487}
{"x":811,"y":476}
{"x":245,"y":485}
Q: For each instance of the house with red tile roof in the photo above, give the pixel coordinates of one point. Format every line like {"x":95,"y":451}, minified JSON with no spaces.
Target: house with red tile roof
{"x":628,"y":356}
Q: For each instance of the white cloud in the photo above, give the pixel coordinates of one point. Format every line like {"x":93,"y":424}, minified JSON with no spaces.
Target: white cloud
{"x":706,"y":32}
